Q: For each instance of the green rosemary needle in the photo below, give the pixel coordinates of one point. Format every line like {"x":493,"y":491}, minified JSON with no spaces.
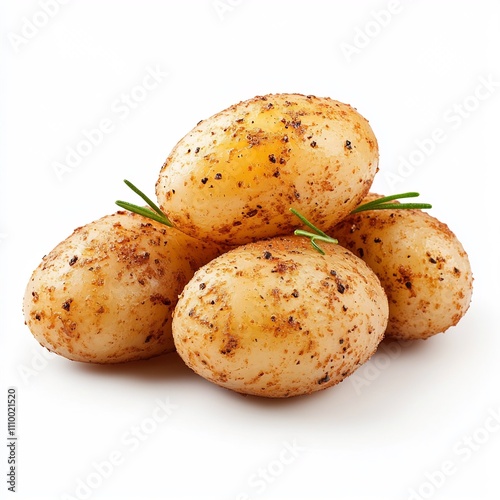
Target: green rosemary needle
{"x":154,"y":213}
{"x":318,"y":235}
{"x":383,"y":203}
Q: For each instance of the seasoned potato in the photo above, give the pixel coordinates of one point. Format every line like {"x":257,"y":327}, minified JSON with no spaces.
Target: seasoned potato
{"x":233,"y":178}
{"x":421,"y":264}
{"x":106,"y":293}
{"x":275,"y":318}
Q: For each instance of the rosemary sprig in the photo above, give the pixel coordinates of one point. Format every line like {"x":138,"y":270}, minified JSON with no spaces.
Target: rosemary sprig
{"x":383,"y":203}
{"x":155,"y":214}
{"x":317,"y":235}
{"x":379,"y":204}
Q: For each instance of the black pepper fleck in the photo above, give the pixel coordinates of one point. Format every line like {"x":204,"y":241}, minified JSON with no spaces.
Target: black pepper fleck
{"x":67,"y":304}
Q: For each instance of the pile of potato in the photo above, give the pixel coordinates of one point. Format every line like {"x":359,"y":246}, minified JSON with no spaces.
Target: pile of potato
{"x":246,"y":303}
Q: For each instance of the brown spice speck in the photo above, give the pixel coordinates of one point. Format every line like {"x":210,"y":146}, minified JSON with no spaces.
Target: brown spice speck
{"x":66,"y":306}
{"x":230,"y":344}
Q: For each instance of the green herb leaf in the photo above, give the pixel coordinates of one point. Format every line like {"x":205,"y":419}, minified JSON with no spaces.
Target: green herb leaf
{"x":155,"y":214}
{"x":383,"y":203}
{"x":318,"y":235}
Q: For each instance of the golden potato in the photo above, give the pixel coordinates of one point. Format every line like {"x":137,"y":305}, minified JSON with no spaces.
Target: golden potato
{"x":233,"y":178}
{"x":275,"y":318}
{"x":421,"y":264}
{"x":106,"y":293}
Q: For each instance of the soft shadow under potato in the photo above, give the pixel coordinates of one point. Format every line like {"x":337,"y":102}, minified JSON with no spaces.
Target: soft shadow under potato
{"x":167,"y":367}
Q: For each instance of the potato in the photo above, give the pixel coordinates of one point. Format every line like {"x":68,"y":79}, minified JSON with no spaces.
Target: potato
{"x":275,"y":318}
{"x":233,"y":178}
{"x":106,"y":293}
{"x":421,"y":264}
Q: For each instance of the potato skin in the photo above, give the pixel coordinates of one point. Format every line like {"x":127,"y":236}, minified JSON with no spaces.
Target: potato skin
{"x":106,"y":294}
{"x":234,"y":177}
{"x":421,"y":264}
{"x":277,"y":319}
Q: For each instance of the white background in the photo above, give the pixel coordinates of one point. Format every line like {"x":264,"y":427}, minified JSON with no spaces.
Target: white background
{"x":387,"y":432}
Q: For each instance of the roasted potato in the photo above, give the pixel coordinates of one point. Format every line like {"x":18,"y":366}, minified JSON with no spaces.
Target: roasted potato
{"x":233,"y":178}
{"x":106,"y":293}
{"x":421,"y":264}
{"x":275,"y":318}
